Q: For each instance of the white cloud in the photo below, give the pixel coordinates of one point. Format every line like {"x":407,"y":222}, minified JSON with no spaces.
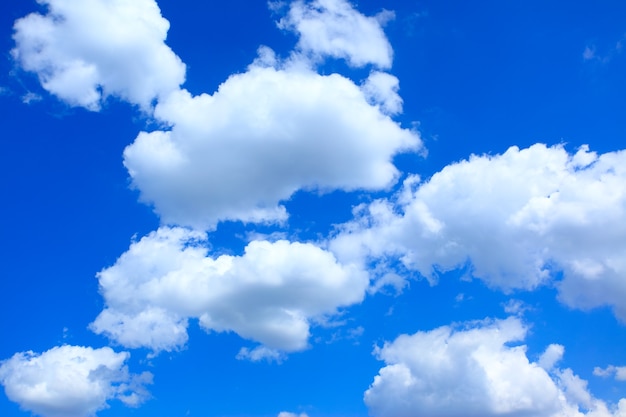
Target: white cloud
{"x":288,"y":414}
{"x":260,"y":353}
{"x":334,"y":28}
{"x":516,"y":218}
{"x":477,"y":369}
{"x":71,"y":381}
{"x":84,"y":51}
{"x":263,"y":135}
{"x":270,"y":294}
{"x":619,"y":372}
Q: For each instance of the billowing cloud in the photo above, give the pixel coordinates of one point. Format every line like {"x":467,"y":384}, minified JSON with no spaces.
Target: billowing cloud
{"x":515,"y":218}
{"x":333,"y":28}
{"x":84,"y":51}
{"x":71,"y":381}
{"x":271,"y":294}
{"x":263,"y":135}
{"x":478,"y":369}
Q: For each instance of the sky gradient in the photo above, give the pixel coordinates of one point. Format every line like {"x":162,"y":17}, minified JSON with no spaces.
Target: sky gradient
{"x":313,"y":208}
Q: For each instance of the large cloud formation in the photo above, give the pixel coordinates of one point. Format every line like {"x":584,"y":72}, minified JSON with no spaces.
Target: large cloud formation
{"x":271,"y":294}
{"x":84,"y":51}
{"x":515,"y":218}
{"x":71,"y":381}
{"x":262,"y":136}
{"x":477,"y":370}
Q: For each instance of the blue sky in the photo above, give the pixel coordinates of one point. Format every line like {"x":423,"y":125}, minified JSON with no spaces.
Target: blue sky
{"x":313,"y":208}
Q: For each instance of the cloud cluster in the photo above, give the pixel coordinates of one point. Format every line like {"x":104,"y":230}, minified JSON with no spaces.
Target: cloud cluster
{"x":85,"y":51}
{"x":71,"y":381}
{"x":478,"y":369}
{"x":264,"y":134}
{"x":515,"y":218}
{"x":279,"y":127}
{"x":333,"y":28}
{"x":271,"y":294}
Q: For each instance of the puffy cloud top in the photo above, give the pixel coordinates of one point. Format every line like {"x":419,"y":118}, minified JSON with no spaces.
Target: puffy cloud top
{"x":71,"y":381}
{"x":84,"y":51}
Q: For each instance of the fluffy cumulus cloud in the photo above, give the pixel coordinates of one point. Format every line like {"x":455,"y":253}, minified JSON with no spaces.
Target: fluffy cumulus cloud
{"x":84,"y":51}
{"x":514,"y":218}
{"x":271,"y":294}
{"x":263,"y":135}
{"x":71,"y":381}
{"x":477,"y":369}
{"x":333,"y":28}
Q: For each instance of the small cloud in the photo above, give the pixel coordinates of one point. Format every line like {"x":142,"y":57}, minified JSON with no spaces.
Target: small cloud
{"x":618,"y":372}
{"x":31,"y":98}
{"x":353,"y":334}
{"x":260,"y":353}
{"x":516,"y":307}
{"x":589,"y":53}
{"x":389,"y":280}
{"x":356,"y":332}
{"x":552,"y":355}
{"x":336,"y":29}
{"x":288,"y":414}
{"x":459,"y":297}
{"x":270,"y":237}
